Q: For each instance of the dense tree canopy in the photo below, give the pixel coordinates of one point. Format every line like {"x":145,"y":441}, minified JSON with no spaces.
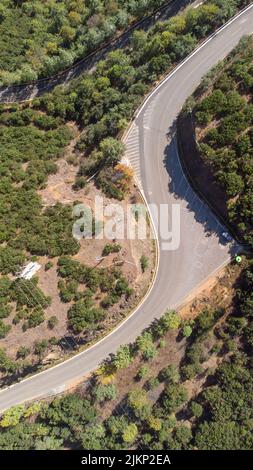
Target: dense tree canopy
{"x":40,"y":39}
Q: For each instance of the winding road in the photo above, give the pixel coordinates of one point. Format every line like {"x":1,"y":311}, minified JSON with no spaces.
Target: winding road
{"x":152,"y":151}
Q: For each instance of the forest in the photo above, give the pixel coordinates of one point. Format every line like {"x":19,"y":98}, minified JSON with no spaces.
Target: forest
{"x":39,"y":39}
{"x":158,"y":408}
{"x":34,"y":135}
{"x":222,"y":110}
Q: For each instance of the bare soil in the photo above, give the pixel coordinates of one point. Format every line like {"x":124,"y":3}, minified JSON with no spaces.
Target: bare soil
{"x":59,"y":188}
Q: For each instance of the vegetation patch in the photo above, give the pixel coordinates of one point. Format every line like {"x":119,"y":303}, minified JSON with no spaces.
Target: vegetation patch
{"x":32,"y":143}
{"x":33,"y":140}
{"x":164,"y":391}
{"x":220,"y":115}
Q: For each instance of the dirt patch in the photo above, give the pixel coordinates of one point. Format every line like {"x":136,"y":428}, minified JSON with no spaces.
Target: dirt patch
{"x":59,"y":188}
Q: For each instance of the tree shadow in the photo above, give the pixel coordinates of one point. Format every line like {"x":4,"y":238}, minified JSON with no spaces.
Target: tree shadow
{"x":182,"y":189}
{"x":69,"y":343}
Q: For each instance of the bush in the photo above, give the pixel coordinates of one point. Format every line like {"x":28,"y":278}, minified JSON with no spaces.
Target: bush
{"x":23,"y":352}
{"x":111,"y":248}
{"x":130,"y":433}
{"x":143,"y":372}
{"x":144,"y":263}
{"x":81,"y":316}
{"x":6,"y":364}
{"x":104,"y":392}
{"x":52,"y":322}
{"x":40,"y":347}
{"x":153,"y":383}
{"x":48,"y":265}
{"x":196,"y":409}
{"x":4,"y":329}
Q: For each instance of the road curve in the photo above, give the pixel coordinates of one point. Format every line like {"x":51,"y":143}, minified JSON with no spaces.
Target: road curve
{"x":28,"y":91}
{"x":152,"y":149}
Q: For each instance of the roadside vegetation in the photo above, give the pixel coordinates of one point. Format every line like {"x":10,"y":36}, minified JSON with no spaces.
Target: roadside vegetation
{"x":41,"y":39}
{"x":104,"y":102}
{"x":168,"y":390}
{"x":221,"y":111}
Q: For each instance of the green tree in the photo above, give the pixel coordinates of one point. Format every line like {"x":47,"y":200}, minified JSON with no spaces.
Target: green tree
{"x":40,"y":347}
{"x":130,"y":433}
{"x":144,"y":263}
{"x":93,"y":436}
{"x":112,"y":150}
{"x":143,"y":372}
{"x":219,"y":436}
{"x":48,"y":443}
{"x":105,"y":392}
{"x":6,"y":364}
{"x":123,"y":357}
{"x":146,"y":345}
{"x":170,"y":374}
{"x":12,"y":416}
{"x":138,"y":400}
{"x":155,"y":423}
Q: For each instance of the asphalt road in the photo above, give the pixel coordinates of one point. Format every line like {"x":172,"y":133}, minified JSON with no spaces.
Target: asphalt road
{"x":201,"y":252}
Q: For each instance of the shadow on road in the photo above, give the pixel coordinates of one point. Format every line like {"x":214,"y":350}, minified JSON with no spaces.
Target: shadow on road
{"x":181,"y":188}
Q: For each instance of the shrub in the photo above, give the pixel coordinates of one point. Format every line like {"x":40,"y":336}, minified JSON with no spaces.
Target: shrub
{"x":144,"y":263}
{"x":52,"y":322}
{"x":196,"y":409}
{"x":111,"y":248}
